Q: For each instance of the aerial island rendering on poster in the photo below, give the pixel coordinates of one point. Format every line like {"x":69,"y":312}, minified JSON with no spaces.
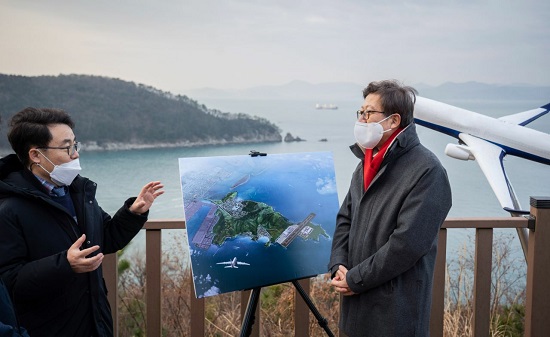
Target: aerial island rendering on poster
{"x":254,"y":221}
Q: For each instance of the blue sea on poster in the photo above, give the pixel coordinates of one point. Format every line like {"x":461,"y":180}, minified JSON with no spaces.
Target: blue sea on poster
{"x":295,"y":185}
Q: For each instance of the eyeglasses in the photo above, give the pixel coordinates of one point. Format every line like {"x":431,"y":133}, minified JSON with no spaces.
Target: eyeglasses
{"x":71,"y":149}
{"x":366,"y":114}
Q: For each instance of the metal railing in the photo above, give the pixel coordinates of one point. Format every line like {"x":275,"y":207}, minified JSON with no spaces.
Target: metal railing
{"x":537,"y":308}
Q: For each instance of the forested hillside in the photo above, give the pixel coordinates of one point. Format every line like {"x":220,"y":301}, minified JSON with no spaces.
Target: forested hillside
{"x":111,"y":113}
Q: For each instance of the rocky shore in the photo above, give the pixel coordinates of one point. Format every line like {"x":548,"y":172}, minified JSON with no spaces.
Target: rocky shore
{"x":289,"y":138}
{"x":122,"y":146}
{"x":119,"y":146}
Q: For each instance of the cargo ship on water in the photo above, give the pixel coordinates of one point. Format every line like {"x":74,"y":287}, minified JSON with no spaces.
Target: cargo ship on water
{"x":326,"y":106}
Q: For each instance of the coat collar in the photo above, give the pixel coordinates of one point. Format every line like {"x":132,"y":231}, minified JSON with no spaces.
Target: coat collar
{"x":16,"y":179}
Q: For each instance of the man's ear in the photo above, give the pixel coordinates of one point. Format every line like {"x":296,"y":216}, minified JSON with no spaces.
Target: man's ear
{"x":395,"y":120}
{"x":34,"y":156}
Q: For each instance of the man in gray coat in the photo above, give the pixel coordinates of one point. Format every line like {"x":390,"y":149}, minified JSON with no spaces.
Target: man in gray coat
{"x":385,"y":241}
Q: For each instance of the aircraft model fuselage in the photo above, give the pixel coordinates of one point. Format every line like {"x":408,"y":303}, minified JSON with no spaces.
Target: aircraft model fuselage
{"x":514,"y":139}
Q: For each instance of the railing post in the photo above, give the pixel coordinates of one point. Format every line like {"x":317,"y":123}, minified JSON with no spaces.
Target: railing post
{"x":482,"y":282}
{"x":110,"y":275}
{"x":537,"y":307}
{"x":301,"y":311}
{"x":197,"y":313}
{"x":153,"y":269}
{"x":438,"y":292}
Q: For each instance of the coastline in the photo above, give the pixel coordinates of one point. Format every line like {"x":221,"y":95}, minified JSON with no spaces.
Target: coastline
{"x":123,"y":146}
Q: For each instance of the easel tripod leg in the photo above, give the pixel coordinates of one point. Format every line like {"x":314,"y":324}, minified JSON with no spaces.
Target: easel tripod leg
{"x":250,"y":314}
{"x":323,"y":323}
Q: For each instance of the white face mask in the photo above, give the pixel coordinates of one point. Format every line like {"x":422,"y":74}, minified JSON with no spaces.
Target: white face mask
{"x":64,"y":174}
{"x":368,"y":135}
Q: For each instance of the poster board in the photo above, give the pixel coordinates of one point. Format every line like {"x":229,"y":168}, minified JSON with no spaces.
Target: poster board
{"x":254,"y":221}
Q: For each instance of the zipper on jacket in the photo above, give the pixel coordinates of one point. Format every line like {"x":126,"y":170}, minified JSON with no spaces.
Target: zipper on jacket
{"x":74,"y":224}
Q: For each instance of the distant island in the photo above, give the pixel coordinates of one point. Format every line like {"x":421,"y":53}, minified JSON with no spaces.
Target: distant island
{"x":112,"y":114}
{"x":337,"y":92}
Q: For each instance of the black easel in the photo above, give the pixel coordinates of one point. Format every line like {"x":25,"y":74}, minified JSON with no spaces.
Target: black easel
{"x":250,"y":315}
{"x":254,"y":153}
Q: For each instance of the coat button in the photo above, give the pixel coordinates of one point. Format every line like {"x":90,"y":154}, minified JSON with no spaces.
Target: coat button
{"x":90,"y":202}
{"x":88,"y":242}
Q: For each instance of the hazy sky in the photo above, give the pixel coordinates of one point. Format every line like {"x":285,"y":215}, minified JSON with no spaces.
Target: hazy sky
{"x":176,"y":45}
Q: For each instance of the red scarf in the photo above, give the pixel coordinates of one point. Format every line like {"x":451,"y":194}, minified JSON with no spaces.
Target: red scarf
{"x":372,"y":164}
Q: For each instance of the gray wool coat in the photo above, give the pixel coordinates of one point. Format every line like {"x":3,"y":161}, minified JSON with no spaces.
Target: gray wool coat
{"x":387,"y":238}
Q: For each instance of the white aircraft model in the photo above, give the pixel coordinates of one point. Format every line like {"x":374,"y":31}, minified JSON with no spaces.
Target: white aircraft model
{"x":233,"y":263}
{"x":487,"y":140}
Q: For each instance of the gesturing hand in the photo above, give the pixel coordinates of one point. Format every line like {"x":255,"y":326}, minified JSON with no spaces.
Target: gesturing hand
{"x":146,"y":197}
{"x":78,"y":260}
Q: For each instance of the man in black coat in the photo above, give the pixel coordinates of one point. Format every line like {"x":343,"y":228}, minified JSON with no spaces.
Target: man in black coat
{"x":53,"y":233}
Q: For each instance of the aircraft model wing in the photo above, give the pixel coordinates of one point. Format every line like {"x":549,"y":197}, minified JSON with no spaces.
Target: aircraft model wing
{"x":489,"y":158}
{"x":526,"y":117}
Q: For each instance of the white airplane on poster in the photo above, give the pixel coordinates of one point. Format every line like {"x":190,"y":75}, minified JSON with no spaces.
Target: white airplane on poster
{"x":233,"y":263}
{"x":487,"y":140}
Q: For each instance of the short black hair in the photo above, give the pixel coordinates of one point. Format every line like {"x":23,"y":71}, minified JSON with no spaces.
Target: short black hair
{"x":29,"y":127}
{"x":395,"y":98}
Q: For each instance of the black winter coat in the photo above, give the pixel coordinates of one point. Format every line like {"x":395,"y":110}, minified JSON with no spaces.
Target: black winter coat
{"x":35,"y":233}
{"x":8,"y":323}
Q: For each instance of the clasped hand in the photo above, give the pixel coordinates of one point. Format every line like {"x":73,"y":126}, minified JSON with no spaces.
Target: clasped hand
{"x":339,"y":282}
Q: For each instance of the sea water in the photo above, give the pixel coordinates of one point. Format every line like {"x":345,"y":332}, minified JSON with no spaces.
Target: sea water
{"x":121,"y":174}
